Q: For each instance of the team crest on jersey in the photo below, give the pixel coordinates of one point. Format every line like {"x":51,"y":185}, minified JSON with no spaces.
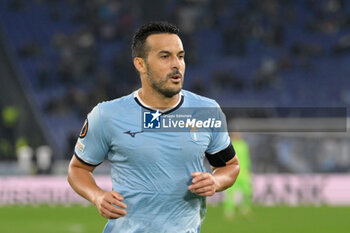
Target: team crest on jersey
{"x":84,"y":130}
{"x":194,"y":134}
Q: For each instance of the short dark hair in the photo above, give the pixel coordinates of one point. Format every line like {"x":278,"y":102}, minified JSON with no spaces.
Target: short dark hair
{"x":138,"y":48}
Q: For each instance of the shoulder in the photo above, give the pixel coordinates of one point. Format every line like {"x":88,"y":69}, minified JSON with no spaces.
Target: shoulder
{"x":112,"y":107}
{"x":195,"y":100}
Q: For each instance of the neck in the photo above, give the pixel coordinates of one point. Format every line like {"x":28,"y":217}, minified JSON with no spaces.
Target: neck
{"x":156,"y":100}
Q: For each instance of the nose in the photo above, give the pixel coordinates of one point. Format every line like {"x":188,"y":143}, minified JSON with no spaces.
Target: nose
{"x":176,"y":63}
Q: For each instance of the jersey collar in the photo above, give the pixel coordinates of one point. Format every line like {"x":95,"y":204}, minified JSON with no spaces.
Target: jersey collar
{"x":164,"y":111}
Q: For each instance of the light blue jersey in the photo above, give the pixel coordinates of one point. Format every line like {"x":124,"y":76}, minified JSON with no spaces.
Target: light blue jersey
{"x":151,"y":170}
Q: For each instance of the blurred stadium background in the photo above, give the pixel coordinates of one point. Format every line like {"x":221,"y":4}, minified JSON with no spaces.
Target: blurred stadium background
{"x":59,"y":58}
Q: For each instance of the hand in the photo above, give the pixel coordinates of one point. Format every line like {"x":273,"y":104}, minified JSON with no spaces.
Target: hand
{"x":204,"y":184}
{"x":106,"y":205}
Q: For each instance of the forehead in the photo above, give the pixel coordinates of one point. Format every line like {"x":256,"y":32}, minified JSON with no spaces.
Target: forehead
{"x":164,"y":42}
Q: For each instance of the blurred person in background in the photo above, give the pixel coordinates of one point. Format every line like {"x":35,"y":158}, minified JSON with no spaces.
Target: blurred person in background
{"x":9,"y":119}
{"x":159,"y":179}
{"x":239,"y":197}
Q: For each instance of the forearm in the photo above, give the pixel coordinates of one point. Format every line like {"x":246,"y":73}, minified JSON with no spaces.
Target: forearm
{"x":83,"y":182}
{"x":226,"y":176}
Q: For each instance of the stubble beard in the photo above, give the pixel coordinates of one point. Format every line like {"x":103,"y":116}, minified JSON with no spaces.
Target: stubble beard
{"x":160,"y":85}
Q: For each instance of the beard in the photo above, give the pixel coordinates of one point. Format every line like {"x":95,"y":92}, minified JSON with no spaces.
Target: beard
{"x":160,"y":85}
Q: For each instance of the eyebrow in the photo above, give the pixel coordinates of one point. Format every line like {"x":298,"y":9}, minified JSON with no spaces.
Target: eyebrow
{"x":168,"y":52}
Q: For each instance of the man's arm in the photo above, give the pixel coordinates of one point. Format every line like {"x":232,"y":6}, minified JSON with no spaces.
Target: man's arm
{"x":206,"y":184}
{"x":226,"y":176}
{"x":82,"y":181}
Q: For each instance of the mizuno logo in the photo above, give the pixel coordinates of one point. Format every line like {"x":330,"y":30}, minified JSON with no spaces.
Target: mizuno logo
{"x":132,"y":134}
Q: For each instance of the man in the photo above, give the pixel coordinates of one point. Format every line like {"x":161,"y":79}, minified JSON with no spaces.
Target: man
{"x":239,"y":198}
{"x":159,"y":181}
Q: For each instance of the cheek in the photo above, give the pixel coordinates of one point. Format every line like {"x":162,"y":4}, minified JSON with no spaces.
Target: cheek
{"x":160,"y":69}
{"x":158,"y":75}
{"x":183,"y":68}
{"x":161,"y":73}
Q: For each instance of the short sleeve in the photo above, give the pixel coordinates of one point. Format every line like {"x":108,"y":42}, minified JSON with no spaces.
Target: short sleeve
{"x":220,"y":139}
{"x":92,"y":145}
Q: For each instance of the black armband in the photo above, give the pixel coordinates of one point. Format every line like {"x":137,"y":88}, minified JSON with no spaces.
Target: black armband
{"x":84,"y":161}
{"x":220,"y":158}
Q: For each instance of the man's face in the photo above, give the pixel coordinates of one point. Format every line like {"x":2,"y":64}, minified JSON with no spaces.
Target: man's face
{"x":165,"y":63}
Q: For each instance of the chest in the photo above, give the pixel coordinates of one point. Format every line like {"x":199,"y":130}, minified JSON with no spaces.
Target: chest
{"x":129,"y":143}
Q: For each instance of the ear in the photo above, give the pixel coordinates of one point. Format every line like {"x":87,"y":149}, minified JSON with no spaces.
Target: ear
{"x":140,"y":65}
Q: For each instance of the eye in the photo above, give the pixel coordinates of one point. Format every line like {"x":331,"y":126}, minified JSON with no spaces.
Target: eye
{"x":164,"y":56}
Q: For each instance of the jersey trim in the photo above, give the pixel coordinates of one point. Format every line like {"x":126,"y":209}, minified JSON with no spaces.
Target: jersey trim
{"x":220,"y":158}
{"x":165,"y":111}
{"x":85,"y":161}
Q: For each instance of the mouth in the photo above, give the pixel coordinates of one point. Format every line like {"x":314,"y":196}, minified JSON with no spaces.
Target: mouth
{"x":176,"y":78}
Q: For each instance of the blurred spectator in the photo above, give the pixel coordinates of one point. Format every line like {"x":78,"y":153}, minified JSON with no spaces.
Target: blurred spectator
{"x":9,"y":118}
{"x":342,"y":45}
{"x":187,"y":16}
{"x":43,"y":159}
{"x":267,"y":75}
{"x":25,"y":160}
{"x":330,"y":16}
{"x":77,"y":56}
